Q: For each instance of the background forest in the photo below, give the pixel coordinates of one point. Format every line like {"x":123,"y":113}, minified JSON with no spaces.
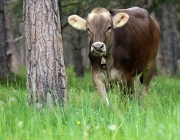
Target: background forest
{"x":75,"y":43}
{"x":155,"y":116}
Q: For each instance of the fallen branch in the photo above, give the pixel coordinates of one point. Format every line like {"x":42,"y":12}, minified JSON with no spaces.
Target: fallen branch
{"x":18,"y":38}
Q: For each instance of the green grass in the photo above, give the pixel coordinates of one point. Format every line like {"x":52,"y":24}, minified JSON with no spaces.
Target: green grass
{"x":87,"y":117}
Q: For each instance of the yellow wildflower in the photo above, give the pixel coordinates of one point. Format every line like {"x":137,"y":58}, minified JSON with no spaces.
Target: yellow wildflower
{"x":82,"y":90}
{"x":78,"y":122}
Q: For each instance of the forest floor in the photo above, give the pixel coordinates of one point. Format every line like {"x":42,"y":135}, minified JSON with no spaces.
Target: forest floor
{"x":156,"y":116}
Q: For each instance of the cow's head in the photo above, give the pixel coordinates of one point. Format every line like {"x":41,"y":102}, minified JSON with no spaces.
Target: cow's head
{"x":99,"y":24}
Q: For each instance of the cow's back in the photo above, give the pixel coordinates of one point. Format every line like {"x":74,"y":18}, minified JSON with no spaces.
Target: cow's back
{"x":136,"y":43}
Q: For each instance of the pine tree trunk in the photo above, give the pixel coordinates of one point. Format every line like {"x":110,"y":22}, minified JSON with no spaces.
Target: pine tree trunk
{"x":3,"y":58}
{"x":46,"y":75}
{"x":169,"y":49}
{"x":21,"y":44}
{"x":78,"y":44}
{"x":78,"y":64}
{"x":10,"y":45}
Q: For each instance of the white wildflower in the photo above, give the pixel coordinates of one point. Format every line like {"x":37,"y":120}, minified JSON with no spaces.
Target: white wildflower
{"x":12,"y":99}
{"x":88,"y":127}
{"x":85,"y":134}
{"x":20,"y":124}
{"x":112,"y":127}
{"x":97,"y":127}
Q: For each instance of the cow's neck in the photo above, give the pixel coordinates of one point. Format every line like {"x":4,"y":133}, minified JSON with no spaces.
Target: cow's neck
{"x":107,"y":55}
{"x":100,"y":62}
{"x":106,"y":61}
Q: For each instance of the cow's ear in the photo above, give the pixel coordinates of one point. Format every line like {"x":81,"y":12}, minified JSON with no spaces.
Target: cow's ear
{"x":120,"y":19}
{"x":77,"y":22}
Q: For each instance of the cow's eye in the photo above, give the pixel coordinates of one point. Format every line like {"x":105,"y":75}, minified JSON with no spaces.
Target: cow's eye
{"x":109,"y":29}
{"x":89,"y":31}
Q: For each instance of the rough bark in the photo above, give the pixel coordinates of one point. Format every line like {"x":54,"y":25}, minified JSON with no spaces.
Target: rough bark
{"x":169,"y":48}
{"x":3,"y":58}
{"x":46,"y":76}
{"x":10,"y":45}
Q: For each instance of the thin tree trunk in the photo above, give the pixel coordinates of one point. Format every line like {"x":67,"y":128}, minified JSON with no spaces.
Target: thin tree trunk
{"x":11,"y":50}
{"x":169,"y":18}
{"x":46,"y":75}
{"x":21,"y":43}
{"x":22,"y":55}
{"x":3,"y":58}
{"x":77,"y":56}
{"x":78,"y":67}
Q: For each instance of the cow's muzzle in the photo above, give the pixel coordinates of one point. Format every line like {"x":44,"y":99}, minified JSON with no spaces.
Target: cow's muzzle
{"x":98,"y":48}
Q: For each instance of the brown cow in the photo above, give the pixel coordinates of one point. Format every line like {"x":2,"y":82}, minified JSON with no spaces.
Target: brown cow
{"x":123,"y":45}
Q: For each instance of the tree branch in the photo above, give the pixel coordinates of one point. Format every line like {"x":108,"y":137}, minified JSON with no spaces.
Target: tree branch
{"x":69,"y":4}
{"x":10,"y":1}
{"x":18,"y":38}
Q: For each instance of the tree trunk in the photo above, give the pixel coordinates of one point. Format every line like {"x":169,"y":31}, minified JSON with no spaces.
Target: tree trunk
{"x":46,"y":75}
{"x":3,"y":58}
{"x":11,"y":50}
{"x":21,"y":44}
{"x":169,"y":48}
{"x":77,"y":58}
{"x":78,"y":44}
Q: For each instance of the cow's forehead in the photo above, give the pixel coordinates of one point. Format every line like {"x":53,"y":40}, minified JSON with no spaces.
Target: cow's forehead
{"x":104,"y":15}
{"x":99,"y":13}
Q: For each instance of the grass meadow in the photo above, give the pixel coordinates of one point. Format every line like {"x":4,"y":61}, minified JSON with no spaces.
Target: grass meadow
{"x":86,"y":117}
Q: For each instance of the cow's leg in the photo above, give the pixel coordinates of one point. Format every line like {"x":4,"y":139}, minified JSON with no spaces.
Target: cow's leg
{"x":147,"y":75}
{"x":130,"y":84}
{"x":99,"y":79}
